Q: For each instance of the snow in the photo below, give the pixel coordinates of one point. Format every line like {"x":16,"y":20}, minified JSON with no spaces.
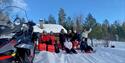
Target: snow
{"x":49,"y":27}
{"x":101,"y":43}
{"x":102,"y":55}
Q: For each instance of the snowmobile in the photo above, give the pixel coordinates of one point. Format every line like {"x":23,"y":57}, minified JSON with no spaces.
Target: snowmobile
{"x":19,"y":48}
{"x":16,"y":45}
{"x":25,"y":46}
{"x":7,"y":49}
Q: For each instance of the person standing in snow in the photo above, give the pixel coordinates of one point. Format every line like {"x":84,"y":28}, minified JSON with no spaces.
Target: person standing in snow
{"x":62,"y":37}
{"x":84,"y":37}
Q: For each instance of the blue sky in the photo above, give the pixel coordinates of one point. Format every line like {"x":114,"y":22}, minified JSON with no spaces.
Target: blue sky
{"x":100,"y":9}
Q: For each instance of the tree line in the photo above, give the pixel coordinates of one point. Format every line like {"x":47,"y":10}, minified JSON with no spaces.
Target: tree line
{"x":105,"y":30}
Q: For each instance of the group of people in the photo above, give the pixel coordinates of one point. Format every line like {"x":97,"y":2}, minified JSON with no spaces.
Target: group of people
{"x":70,"y":41}
{"x":47,"y":42}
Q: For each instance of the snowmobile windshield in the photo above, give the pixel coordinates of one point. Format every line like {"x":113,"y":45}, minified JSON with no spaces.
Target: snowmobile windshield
{"x":11,"y":19}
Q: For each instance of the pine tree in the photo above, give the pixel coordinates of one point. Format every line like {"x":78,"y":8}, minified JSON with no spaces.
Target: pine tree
{"x":90,"y":22}
{"x":105,"y":28}
{"x":61,"y":16}
{"x":106,"y":32}
{"x":51,"y":19}
{"x":68,"y":23}
{"x":79,"y":20}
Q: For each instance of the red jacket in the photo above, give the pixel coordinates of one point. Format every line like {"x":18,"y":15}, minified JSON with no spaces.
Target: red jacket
{"x":44,"y":38}
{"x":52,"y":38}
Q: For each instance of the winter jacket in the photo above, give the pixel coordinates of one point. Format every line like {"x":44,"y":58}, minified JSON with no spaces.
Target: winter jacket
{"x":62,"y":37}
{"x":85,"y":34}
{"x":52,"y":39}
{"x":69,"y":35}
{"x":68,"y":44}
{"x":44,"y":39}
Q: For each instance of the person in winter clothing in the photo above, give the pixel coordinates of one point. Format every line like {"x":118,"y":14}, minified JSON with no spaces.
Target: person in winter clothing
{"x":24,"y":37}
{"x":74,"y":36}
{"x":57,"y":47}
{"x":47,"y":42}
{"x":44,"y":40}
{"x":52,"y":38}
{"x":69,"y":34}
{"x":62,"y":37}
{"x":69,"y":47}
{"x":84,"y":45}
{"x":75,"y":40}
{"x":78,"y":36}
{"x":34,"y":36}
{"x":44,"y":37}
{"x":85,"y":34}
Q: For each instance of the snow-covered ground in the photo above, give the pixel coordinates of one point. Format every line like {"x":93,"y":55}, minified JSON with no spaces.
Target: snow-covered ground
{"x":102,"y":55}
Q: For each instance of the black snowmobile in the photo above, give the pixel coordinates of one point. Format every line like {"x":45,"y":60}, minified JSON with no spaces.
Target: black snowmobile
{"x":25,"y":46}
{"x":7,"y":45}
{"x":16,"y":44}
{"x":19,"y":48}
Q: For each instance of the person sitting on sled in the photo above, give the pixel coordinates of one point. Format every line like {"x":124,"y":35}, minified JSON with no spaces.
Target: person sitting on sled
{"x":84,"y":45}
{"x":69,"y":46}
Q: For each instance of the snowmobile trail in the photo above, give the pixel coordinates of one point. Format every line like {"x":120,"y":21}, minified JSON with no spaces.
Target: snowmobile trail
{"x":113,"y":56}
{"x":102,"y":55}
